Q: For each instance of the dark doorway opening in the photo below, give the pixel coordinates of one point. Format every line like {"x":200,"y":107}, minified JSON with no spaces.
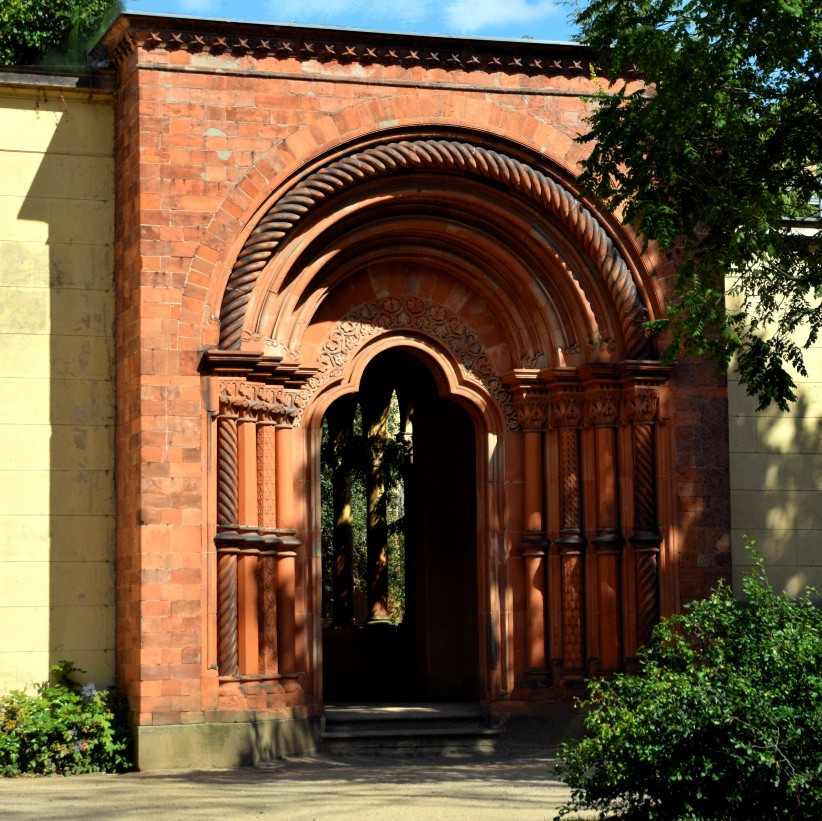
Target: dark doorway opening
{"x":399,"y":546}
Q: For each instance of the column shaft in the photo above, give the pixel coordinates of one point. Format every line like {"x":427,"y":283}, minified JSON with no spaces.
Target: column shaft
{"x":286,"y":627}
{"x":248,"y":587}
{"x":287,"y":517}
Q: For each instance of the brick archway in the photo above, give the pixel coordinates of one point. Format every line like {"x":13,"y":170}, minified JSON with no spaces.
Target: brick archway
{"x":493,"y":637}
{"x":461,"y":229}
{"x":518,"y":290}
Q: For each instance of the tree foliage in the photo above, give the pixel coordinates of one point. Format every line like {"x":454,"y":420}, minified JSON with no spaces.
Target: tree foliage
{"x":713,"y":155}
{"x":723,"y":720}
{"x":32,"y":29}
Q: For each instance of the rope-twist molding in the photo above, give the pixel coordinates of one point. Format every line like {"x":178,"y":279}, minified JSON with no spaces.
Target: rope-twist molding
{"x":446,"y":155}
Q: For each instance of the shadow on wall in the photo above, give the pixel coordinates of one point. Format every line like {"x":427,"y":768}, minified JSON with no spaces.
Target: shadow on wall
{"x":71,"y":199}
{"x":776,"y":485}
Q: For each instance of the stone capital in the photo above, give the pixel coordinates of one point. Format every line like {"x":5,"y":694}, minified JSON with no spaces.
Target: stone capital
{"x":529,"y":397}
{"x":602,"y":405}
{"x":640,"y":404}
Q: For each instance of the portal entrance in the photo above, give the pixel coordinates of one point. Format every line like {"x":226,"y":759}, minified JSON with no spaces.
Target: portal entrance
{"x":399,"y":540}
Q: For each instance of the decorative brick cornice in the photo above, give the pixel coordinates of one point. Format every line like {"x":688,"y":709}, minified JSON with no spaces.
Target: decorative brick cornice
{"x":148,"y":32}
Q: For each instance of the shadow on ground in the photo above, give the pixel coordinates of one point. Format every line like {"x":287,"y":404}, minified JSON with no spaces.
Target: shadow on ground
{"x":518,"y":781}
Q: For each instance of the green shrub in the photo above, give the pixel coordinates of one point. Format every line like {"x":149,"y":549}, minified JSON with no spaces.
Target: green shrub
{"x":29,"y":29}
{"x":63,"y":728}
{"x":722,"y":721}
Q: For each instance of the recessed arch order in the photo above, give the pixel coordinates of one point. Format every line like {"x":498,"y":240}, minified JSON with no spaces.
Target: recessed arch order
{"x":483,"y":193}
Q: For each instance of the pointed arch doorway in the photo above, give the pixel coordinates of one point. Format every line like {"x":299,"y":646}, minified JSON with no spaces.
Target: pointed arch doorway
{"x":399,"y":540}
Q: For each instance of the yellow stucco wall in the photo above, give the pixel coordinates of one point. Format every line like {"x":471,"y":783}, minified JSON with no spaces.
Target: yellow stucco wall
{"x":776,"y":481}
{"x":56,"y":388}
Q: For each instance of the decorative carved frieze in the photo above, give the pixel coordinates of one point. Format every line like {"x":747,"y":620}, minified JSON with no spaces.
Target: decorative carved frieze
{"x":640,"y":404}
{"x":324,"y":45}
{"x":602,"y":404}
{"x":565,"y":409}
{"x":366,"y":321}
{"x":257,"y":401}
{"x":530,"y":398}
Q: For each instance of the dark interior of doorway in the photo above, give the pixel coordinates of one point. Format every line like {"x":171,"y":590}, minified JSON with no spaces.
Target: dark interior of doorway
{"x":423,"y":644}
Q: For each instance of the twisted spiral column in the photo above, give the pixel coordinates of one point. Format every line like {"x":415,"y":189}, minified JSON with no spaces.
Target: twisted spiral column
{"x":227,"y":471}
{"x":228,"y":651}
{"x":646,"y":539}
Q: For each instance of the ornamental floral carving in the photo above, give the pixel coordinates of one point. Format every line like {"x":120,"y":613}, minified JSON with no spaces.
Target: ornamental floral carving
{"x":532,"y":411}
{"x":565,"y":409}
{"x":366,"y":321}
{"x":640,"y":405}
{"x":602,"y":406}
{"x":257,"y":401}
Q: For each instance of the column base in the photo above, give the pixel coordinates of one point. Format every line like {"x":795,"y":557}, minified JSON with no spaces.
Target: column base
{"x":244,"y":742}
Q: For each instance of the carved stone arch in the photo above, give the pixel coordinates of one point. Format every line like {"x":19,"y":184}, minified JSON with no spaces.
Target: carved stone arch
{"x":416,"y":316}
{"x":447,"y":155}
{"x":491,"y":245}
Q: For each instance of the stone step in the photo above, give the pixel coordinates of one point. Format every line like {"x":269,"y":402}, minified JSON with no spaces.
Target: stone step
{"x":408,"y":729}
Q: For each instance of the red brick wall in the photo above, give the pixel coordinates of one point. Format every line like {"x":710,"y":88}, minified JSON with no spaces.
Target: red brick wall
{"x":198,"y":152}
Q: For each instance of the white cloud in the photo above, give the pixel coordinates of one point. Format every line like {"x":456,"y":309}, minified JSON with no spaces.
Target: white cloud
{"x":365,"y":13}
{"x":475,"y":15}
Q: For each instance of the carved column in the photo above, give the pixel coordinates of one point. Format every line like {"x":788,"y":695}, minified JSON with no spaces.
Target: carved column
{"x":530,"y":403}
{"x":643,"y":405}
{"x":568,"y":550}
{"x":247,"y":582}
{"x":286,"y":558}
{"x":267,"y":560}
{"x":227,"y":516}
{"x":602,"y":402}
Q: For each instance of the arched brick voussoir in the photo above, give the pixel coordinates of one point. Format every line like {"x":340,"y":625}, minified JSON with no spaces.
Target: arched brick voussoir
{"x":309,"y":144}
{"x":460,"y":156}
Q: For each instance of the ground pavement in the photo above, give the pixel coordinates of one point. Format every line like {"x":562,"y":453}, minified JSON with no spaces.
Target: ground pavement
{"x":517,"y":782}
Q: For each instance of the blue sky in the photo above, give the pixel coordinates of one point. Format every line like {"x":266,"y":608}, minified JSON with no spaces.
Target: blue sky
{"x":538,"y":19}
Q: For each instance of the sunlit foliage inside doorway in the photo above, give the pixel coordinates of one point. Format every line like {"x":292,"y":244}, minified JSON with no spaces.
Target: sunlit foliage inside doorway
{"x":347,"y":455}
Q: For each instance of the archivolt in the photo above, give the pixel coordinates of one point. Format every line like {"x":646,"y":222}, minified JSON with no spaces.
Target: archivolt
{"x":446,"y":155}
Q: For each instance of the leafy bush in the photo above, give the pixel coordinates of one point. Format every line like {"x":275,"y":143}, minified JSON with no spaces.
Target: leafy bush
{"x":31,"y":28}
{"x":722,"y":721}
{"x":63,"y":728}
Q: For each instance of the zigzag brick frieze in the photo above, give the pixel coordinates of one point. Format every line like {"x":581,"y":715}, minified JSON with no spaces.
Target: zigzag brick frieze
{"x":541,"y":59}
